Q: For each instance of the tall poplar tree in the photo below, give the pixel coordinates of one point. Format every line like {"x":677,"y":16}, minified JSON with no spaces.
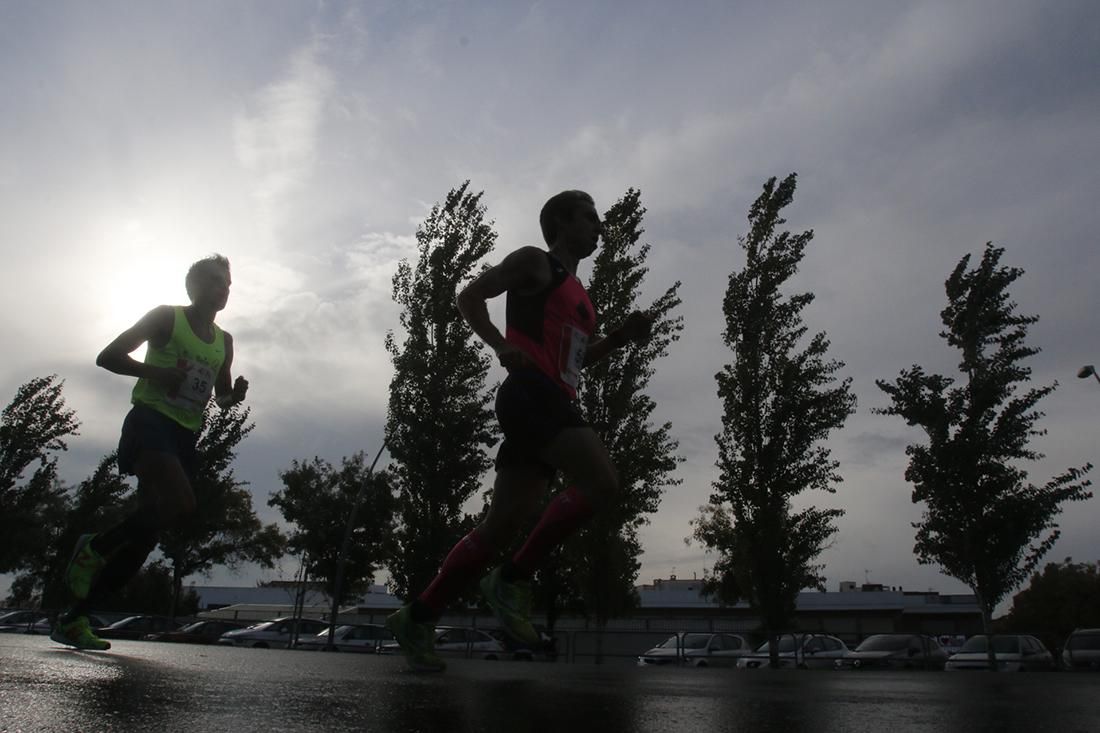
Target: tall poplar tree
{"x":439,"y":423}
{"x":982,"y":523}
{"x":780,"y":401}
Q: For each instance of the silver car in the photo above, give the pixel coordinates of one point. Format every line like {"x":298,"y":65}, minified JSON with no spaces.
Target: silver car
{"x":1082,"y":650}
{"x":274,"y":634}
{"x":802,"y":651}
{"x":1013,"y":653}
{"x":697,"y":650}
{"x":367,"y":638}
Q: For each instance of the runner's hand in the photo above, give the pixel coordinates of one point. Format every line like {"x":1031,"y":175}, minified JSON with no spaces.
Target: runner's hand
{"x":171,"y":378}
{"x":513,"y":357}
{"x":240,"y":388}
{"x":637,"y":327}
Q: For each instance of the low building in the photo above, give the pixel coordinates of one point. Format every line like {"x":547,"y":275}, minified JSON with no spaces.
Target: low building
{"x":851,"y":613}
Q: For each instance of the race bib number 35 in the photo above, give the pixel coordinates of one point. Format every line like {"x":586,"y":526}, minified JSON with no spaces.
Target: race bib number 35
{"x":196,"y":388}
{"x":574,"y":344}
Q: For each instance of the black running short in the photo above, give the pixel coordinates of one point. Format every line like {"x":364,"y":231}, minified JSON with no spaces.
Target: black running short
{"x":532,"y":410}
{"x":146,"y":429}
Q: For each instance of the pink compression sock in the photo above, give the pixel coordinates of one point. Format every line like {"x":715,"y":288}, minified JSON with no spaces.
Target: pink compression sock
{"x":464,"y":564}
{"x":563,"y":516}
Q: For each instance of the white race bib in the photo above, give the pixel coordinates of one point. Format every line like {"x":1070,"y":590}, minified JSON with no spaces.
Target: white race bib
{"x":196,"y":388}
{"x":574,"y":344}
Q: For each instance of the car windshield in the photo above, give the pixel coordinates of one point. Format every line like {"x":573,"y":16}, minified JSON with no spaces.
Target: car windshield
{"x":124,"y":622}
{"x":1085,"y":642}
{"x":786,"y":645}
{"x":669,"y":643}
{"x":883,"y":643}
{"x":192,"y":628}
{"x":1001,"y":645}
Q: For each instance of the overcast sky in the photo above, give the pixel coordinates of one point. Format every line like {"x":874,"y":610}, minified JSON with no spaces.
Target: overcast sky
{"x":307,"y":140}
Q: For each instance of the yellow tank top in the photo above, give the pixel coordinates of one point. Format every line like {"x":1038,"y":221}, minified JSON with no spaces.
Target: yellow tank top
{"x":200,"y":359}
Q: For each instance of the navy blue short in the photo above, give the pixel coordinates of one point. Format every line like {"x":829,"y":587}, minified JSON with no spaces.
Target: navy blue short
{"x":146,"y":429}
{"x":532,"y":410}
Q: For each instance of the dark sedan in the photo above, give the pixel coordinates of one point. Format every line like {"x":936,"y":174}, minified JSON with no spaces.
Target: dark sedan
{"x":895,"y":651}
{"x":200,"y":632}
{"x":136,"y":627}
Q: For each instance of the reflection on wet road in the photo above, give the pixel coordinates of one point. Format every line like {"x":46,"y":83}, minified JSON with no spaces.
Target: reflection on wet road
{"x":149,"y":686}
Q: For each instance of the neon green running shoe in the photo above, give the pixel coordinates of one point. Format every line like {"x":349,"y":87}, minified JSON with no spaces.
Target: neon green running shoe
{"x":417,"y":641}
{"x":83,"y":568}
{"x":511,"y":602}
{"x":78,"y":633}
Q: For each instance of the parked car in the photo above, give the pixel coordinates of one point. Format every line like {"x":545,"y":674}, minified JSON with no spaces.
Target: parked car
{"x":274,"y":634}
{"x":451,"y":641}
{"x":951,"y":643}
{"x":20,"y":622}
{"x":895,"y":651}
{"x":1014,"y":653}
{"x":45,"y":625}
{"x":349,"y":638}
{"x":1082,"y":650}
{"x":136,"y":627}
{"x":700,"y":649}
{"x":525,"y":652}
{"x":803,"y":651}
{"x":200,"y":632}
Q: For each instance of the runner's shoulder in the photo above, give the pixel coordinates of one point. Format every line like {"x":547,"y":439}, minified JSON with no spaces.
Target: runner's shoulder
{"x":527,"y":268}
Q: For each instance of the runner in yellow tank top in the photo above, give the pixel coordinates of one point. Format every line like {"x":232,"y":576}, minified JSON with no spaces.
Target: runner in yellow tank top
{"x":187,"y":359}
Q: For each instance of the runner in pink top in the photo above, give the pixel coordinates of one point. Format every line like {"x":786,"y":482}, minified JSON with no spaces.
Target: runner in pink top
{"x":549,"y":338}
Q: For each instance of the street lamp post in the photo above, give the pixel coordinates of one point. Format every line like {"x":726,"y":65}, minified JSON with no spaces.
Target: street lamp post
{"x":1088,"y":371}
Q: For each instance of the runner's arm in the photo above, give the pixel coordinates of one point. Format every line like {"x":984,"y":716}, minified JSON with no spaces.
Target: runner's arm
{"x":155,"y":327}
{"x":637,"y":327}
{"x":227,"y":392}
{"x":525,"y":270}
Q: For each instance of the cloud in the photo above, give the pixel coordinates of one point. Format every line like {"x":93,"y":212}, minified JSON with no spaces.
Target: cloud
{"x":276,"y":135}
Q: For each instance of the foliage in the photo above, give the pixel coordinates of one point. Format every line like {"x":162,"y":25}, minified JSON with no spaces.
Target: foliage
{"x":1063,"y":597}
{"x":983,"y":522}
{"x":780,"y":401}
{"x":224,"y":529}
{"x":94,"y":505}
{"x":152,"y":590}
{"x":33,"y":427}
{"x":439,"y":423}
{"x":596,"y":571}
{"x":317,"y":498}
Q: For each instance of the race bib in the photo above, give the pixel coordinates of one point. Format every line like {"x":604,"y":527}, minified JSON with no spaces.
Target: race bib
{"x":574,"y":344}
{"x":196,"y":388}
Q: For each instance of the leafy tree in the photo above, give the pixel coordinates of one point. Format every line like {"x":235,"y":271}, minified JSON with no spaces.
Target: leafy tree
{"x":317,"y":498}
{"x":95,"y":504}
{"x":596,"y":571}
{"x":780,"y":401}
{"x":1063,"y":597}
{"x":983,"y":522}
{"x":33,"y":427}
{"x":439,"y":423}
{"x":152,"y":590}
{"x":224,"y":529}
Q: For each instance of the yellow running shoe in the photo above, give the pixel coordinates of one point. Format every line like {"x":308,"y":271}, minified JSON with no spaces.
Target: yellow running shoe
{"x":76,"y":632}
{"x":417,"y":640}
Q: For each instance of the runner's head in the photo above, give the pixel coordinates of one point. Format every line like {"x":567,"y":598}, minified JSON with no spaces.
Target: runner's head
{"x":569,"y":219}
{"x":208,"y":282}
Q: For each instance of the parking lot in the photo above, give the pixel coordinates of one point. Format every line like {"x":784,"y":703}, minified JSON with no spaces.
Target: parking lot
{"x":142,"y":685}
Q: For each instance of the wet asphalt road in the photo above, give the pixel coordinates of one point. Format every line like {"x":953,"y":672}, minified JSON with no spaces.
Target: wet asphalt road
{"x":151,"y":686}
